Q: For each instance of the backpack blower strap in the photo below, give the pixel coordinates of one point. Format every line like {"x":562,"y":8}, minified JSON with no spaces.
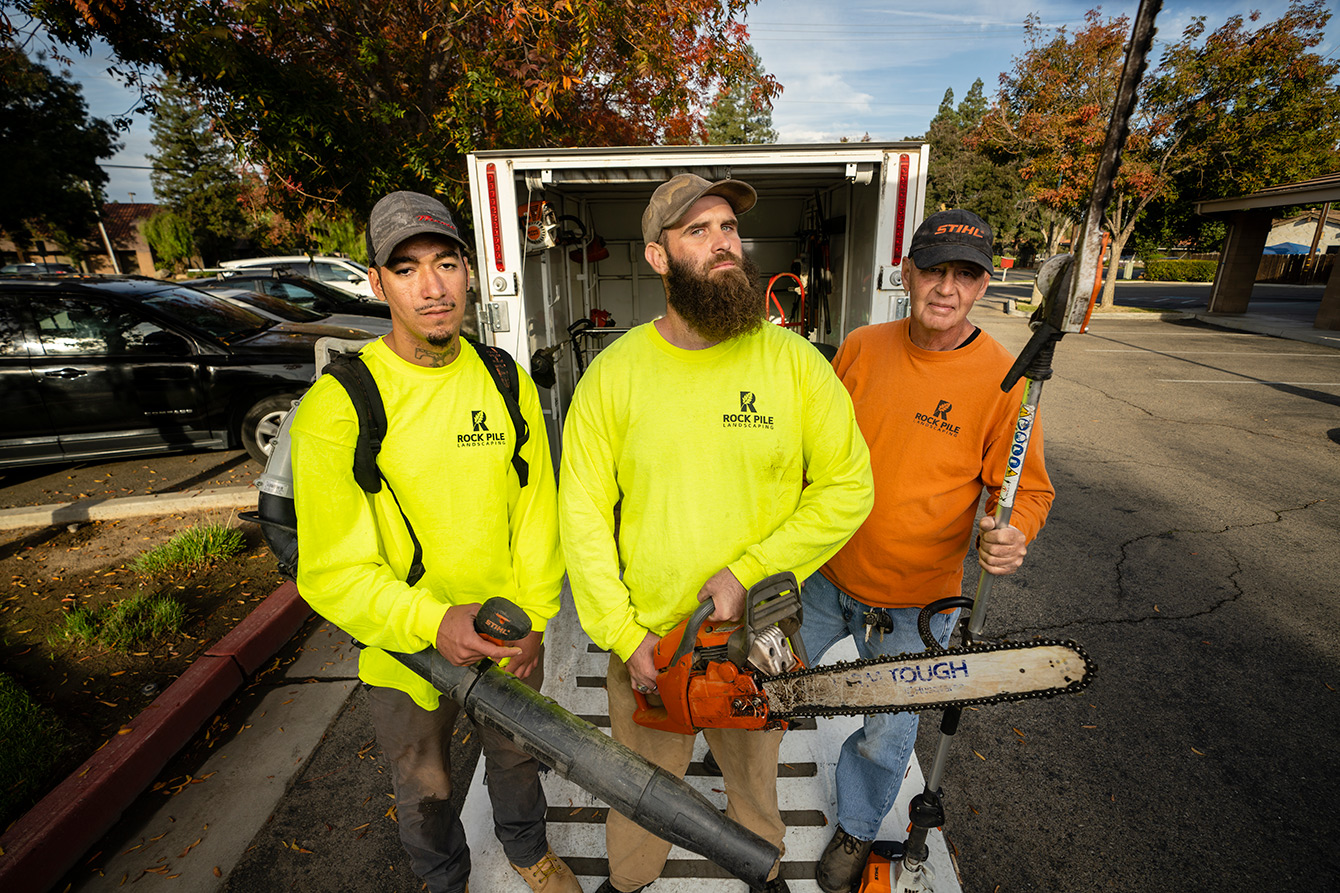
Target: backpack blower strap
{"x":502,"y":367}
{"x":356,"y":379}
{"x":353,"y":374}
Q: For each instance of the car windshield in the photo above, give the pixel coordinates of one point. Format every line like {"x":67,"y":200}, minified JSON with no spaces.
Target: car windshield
{"x":226,"y":322}
{"x":306,"y":293}
{"x":277,"y":306}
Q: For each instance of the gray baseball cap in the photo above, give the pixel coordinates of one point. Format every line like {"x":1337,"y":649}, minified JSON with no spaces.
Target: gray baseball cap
{"x":401,"y":215}
{"x":673,"y":198}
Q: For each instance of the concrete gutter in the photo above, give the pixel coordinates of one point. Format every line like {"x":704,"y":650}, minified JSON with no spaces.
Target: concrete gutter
{"x":85,"y":510}
{"x":50,"y":838}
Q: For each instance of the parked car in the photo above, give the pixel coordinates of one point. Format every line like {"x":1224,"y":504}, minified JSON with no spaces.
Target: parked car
{"x":109,"y":368}
{"x":341,"y":272}
{"x":286,"y":311}
{"x":300,"y":290}
{"x":38,"y":269}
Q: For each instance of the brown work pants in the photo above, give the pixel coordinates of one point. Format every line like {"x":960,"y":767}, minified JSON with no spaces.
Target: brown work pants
{"x":417,"y":743}
{"x":748,"y":768}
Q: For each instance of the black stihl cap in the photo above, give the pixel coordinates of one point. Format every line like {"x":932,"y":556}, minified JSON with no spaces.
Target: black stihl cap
{"x":953,"y":235}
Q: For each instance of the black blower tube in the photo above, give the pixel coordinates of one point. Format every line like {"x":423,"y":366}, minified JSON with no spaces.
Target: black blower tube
{"x":665,"y":805}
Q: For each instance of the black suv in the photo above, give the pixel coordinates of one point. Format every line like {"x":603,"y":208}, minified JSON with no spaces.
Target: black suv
{"x":109,"y":368}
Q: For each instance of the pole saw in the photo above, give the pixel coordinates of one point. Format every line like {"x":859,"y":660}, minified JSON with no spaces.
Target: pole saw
{"x":1069,"y":284}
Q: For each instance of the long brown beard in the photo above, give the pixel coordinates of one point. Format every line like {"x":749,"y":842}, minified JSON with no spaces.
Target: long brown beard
{"x":718,"y":308}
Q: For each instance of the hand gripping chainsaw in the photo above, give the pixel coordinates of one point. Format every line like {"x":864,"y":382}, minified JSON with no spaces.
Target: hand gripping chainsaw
{"x":753,"y":674}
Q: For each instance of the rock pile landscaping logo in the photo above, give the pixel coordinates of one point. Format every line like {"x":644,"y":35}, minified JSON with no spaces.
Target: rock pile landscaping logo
{"x":480,"y":435}
{"x":748,"y":416}
{"x":939,"y":419}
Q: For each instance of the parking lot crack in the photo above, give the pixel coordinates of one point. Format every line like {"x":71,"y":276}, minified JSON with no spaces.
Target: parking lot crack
{"x":1125,"y":591}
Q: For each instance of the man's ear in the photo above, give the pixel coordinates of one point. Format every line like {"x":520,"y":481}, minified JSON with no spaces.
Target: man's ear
{"x":375,"y":281}
{"x":657,"y":257}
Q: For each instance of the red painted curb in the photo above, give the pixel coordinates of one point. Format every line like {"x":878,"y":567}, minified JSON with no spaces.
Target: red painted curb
{"x":264,"y":631}
{"x":49,"y":838}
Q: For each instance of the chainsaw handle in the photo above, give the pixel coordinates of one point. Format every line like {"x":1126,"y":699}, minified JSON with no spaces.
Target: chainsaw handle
{"x":690,"y":637}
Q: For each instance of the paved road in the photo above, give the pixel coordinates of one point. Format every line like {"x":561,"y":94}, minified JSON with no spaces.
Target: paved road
{"x":69,"y":481}
{"x":1192,"y":551}
{"x":1295,"y":302}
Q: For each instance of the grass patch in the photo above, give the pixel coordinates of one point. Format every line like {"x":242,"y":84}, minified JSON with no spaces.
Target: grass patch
{"x":35,"y":742}
{"x":192,"y":547}
{"x":137,"y":620}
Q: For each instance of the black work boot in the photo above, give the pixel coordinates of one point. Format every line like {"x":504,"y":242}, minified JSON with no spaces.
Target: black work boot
{"x":843,"y":861}
{"x":776,"y":885}
{"x":607,"y":887}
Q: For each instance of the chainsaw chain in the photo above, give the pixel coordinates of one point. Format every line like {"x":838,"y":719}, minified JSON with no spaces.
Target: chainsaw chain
{"x":1090,"y":670}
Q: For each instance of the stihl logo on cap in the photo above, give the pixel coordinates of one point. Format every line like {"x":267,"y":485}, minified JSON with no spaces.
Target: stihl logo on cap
{"x":431,"y":219}
{"x":959,"y":228}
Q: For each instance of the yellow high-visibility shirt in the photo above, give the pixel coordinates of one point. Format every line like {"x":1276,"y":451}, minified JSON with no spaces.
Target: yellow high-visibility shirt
{"x":708,"y":454}
{"x":448,"y":457}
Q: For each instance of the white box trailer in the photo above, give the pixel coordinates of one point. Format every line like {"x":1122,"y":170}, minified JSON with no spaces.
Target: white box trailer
{"x":838,"y":218}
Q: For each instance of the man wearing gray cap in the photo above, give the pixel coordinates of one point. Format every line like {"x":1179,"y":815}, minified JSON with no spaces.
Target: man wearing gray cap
{"x":453,"y":523}
{"x":927,"y":396}
{"x":728,"y":448}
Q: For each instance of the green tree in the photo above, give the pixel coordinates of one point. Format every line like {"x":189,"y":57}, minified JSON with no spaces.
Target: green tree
{"x":51,"y":149}
{"x":962,"y":175}
{"x":170,"y":238}
{"x":741,"y":111}
{"x":343,"y":101}
{"x":1052,"y":117}
{"x":193,"y":174}
{"x":1246,"y":107}
{"x":1224,"y":113}
{"x":341,"y":234}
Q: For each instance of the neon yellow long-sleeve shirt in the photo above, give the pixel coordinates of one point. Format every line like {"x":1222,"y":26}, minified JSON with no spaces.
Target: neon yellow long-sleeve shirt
{"x":708,"y":453}
{"x":448,"y":457}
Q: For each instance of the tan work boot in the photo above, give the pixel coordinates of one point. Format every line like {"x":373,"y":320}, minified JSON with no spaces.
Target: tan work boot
{"x":549,"y":875}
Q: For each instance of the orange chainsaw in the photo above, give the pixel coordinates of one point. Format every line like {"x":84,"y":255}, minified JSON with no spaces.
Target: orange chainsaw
{"x":754,"y":674}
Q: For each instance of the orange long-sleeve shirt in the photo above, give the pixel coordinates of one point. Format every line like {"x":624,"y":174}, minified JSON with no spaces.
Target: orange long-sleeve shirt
{"x":939,"y":430}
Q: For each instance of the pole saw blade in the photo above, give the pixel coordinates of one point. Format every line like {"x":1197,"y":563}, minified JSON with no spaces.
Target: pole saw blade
{"x":1067,"y":282}
{"x":1070,"y":315}
{"x":932,"y":680}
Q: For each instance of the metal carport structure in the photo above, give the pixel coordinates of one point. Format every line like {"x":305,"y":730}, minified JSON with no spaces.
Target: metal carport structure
{"x":1248,"y":218}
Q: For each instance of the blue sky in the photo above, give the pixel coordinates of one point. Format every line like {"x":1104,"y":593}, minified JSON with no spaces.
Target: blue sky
{"x":850,"y":67}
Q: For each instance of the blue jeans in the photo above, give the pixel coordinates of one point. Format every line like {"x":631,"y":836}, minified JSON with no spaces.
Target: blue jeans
{"x":874,"y":758}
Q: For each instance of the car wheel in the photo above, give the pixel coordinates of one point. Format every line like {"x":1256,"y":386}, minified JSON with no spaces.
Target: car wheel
{"x":260,"y":426}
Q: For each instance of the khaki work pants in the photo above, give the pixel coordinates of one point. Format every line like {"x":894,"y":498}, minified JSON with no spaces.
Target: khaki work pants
{"x":748,"y":767}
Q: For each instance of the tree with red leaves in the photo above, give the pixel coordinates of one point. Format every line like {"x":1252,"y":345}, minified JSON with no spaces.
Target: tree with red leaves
{"x":1052,"y":115}
{"x":341,"y":101}
{"x":1224,"y":113}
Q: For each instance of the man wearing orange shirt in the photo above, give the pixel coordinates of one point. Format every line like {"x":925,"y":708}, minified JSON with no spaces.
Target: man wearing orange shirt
{"x":926,"y":390}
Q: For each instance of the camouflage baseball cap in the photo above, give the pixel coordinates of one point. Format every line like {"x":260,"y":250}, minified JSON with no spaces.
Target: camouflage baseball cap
{"x":401,"y":215}
{"x":673,"y":198}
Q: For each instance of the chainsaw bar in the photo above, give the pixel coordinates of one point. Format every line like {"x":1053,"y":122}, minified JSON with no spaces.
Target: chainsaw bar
{"x":994,"y":673}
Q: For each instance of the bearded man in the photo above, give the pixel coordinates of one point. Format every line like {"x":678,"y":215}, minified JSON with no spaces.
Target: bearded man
{"x":731,"y":452}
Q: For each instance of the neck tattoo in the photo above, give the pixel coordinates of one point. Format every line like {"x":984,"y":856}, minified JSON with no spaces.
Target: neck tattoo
{"x":427,"y":356}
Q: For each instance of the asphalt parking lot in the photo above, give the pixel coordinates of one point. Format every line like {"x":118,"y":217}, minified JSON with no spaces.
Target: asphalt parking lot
{"x":1192,"y":551}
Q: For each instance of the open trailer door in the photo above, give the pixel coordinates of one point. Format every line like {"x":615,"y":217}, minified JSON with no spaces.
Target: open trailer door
{"x":560,"y":252}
